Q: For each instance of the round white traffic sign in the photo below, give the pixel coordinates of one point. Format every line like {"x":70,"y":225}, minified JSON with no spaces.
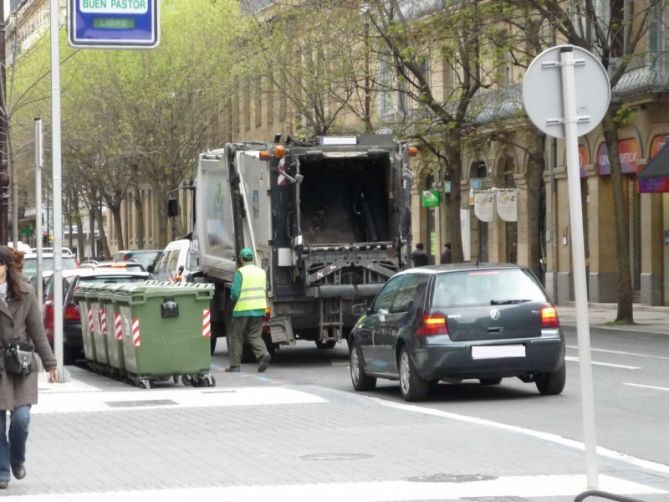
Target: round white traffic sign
{"x":542,"y":91}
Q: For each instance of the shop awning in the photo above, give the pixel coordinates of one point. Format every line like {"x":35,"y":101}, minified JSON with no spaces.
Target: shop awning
{"x":654,"y":178}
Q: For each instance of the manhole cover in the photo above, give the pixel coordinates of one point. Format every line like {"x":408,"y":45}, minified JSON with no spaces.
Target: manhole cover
{"x":138,"y":404}
{"x":451,"y":478}
{"x":336,"y":457}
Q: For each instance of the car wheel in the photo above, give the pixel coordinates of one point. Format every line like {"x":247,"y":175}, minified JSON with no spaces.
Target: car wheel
{"x":359,"y":379}
{"x":552,"y":384}
{"x":490,"y":381}
{"x":413,"y":388}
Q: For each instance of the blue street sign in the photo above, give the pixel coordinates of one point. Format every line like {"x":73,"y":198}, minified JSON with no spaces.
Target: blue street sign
{"x":113,"y":24}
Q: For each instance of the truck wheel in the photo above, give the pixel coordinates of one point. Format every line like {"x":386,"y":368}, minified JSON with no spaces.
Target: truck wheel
{"x":327,"y":344}
{"x":359,"y":379}
{"x":490,"y":381}
{"x":412,"y":386}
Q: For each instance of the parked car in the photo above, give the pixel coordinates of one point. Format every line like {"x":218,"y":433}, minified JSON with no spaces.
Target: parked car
{"x":72,"y":279}
{"x":30,"y":263}
{"x":177,"y":261}
{"x":462,"y":321}
{"x":145,"y":257}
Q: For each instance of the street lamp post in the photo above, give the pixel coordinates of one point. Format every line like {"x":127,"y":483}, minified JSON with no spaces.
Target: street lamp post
{"x":4,"y":175}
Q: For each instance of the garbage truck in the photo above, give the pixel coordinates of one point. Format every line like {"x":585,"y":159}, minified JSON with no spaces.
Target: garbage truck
{"x":329,"y":221}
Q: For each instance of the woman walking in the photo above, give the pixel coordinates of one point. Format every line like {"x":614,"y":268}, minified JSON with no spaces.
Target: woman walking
{"x":20,"y":326}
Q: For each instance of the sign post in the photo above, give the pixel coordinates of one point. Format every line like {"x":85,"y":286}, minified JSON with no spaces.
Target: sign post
{"x":113,"y":24}
{"x":570,"y":111}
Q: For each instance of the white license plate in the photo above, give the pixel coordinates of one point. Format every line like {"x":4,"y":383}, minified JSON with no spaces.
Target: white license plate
{"x":498,"y":351}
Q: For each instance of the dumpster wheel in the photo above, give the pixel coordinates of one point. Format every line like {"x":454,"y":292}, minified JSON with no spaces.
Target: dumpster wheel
{"x":144,"y":383}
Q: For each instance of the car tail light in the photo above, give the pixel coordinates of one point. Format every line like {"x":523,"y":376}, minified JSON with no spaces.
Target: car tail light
{"x":549,"y":318}
{"x":433,"y":324}
{"x":72,"y":312}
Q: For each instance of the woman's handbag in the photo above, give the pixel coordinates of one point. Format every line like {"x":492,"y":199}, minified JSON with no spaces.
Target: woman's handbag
{"x":19,"y":358}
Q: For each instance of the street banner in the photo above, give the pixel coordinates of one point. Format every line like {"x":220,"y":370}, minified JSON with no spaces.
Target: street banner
{"x":484,"y":206}
{"x":507,"y":204}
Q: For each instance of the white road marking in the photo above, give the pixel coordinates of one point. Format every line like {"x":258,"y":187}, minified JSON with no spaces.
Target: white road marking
{"x":623,"y":353}
{"x":610,"y":365}
{"x":508,"y":486}
{"x":75,"y":402}
{"x":647,"y":386}
{"x":546,"y":436}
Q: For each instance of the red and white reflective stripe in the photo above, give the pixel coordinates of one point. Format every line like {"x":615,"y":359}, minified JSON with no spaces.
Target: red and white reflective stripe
{"x":118,"y":327}
{"x":90,"y":320}
{"x":136,"y":340}
{"x":103,"y":322}
{"x":206,"y":323}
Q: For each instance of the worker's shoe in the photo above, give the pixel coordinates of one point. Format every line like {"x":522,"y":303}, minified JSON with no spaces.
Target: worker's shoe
{"x":264,"y":362}
{"x":18,"y":471}
{"x":232,"y":369}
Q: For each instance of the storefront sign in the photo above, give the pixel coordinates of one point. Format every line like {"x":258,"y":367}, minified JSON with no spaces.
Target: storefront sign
{"x":431,"y":198}
{"x":654,"y":178}
{"x":583,"y":160}
{"x":628,"y":153}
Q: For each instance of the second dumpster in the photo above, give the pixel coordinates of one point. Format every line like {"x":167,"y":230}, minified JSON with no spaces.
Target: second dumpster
{"x":166,"y":331}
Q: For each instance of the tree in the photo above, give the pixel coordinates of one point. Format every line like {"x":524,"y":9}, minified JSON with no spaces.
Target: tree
{"x":413,"y":35}
{"x":614,"y":31}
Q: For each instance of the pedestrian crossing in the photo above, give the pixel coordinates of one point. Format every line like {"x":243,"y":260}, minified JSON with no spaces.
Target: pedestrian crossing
{"x":521,"y":487}
{"x":78,"y":398}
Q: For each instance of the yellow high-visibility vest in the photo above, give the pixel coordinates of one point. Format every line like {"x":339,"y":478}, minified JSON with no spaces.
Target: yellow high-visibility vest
{"x":254,"y":284}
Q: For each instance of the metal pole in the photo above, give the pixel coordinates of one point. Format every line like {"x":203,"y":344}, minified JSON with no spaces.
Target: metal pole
{"x":578,"y":255}
{"x":554,"y":219}
{"x":4,"y":174}
{"x":39,"y":163}
{"x":57,"y":198}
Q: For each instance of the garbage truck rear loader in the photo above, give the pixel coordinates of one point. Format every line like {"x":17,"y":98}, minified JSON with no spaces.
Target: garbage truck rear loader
{"x":329,"y":222}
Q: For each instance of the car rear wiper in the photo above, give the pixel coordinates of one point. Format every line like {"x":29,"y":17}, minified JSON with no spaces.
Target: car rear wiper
{"x":508,"y":302}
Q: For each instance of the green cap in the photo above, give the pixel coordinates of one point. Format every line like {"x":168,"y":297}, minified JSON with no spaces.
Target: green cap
{"x":246,"y":254}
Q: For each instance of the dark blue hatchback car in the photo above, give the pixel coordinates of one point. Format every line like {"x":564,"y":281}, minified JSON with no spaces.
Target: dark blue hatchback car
{"x":460,"y":321}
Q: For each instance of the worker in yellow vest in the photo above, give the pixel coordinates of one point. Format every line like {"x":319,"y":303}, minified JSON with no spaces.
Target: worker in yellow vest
{"x":249,"y":292}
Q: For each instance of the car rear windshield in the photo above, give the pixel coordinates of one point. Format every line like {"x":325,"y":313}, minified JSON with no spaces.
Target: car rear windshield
{"x":485,"y":287}
{"x":30,"y":264}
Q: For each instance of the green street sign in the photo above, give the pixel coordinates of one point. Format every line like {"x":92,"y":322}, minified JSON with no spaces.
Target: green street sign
{"x":27,"y":231}
{"x":431,"y":198}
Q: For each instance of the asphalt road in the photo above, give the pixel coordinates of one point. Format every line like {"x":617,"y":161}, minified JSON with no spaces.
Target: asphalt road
{"x":631,"y":387}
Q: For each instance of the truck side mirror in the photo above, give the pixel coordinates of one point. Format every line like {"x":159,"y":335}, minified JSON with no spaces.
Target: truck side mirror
{"x":172,"y":208}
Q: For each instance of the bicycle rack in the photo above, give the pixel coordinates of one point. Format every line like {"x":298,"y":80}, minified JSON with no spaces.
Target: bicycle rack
{"x":597,"y":493}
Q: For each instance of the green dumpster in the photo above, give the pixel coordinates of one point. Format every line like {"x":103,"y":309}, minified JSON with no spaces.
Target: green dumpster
{"x":99,"y":331}
{"x":166,"y":331}
{"x":113,"y":334}
{"x":86,"y":324}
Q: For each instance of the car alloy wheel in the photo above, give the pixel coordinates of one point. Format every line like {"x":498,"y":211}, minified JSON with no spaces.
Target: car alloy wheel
{"x":359,"y":379}
{"x":413,"y":388}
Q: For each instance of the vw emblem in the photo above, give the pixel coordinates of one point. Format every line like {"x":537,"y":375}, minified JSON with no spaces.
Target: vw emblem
{"x":494,"y":314}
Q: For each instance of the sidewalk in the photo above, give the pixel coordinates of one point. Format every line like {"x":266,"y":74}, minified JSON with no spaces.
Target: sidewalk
{"x":601,"y":315}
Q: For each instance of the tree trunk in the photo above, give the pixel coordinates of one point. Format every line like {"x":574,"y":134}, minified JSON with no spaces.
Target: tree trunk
{"x":625,"y":308}
{"x":81,"y":242}
{"x":103,"y":234}
{"x":92,"y":217}
{"x":161,"y":203}
{"x":139,"y":211}
{"x":454,"y":156}
{"x":70,"y":203}
{"x":534,"y":180}
{"x":118,"y":226}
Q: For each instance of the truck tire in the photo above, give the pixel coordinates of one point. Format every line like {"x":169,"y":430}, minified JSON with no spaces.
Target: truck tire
{"x":327,"y":344}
